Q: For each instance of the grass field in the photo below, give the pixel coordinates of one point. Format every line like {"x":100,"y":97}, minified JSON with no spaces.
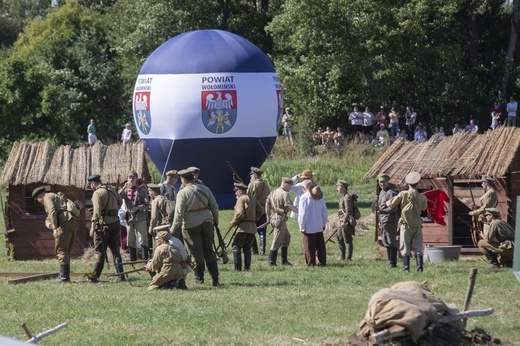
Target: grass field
{"x":281,"y":305}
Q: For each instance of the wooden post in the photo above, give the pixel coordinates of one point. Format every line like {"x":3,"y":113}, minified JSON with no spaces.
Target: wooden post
{"x":471,"y":284}
{"x":516,"y":263}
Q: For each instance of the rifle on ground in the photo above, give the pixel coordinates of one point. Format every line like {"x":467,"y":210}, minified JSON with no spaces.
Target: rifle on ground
{"x":222,"y":245}
{"x":128,"y":272}
{"x":235,"y":174}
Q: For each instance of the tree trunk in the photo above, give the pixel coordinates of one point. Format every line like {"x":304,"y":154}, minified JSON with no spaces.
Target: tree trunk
{"x":513,"y":35}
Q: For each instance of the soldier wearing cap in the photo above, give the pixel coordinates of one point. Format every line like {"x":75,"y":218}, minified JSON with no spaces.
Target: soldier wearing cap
{"x":63,"y":225}
{"x":159,"y":213}
{"x":105,"y":226}
{"x":412,"y":204}
{"x":247,"y":211}
{"x":277,"y":205}
{"x":346,"y":222}
{"x":168,"y":186}
{"x":196,"y":171}
{"x":196,"y":211}
{"x":499,"y":243}
{"x":167,"y":264}
{"x":488,"y":200}
{"x":388,"y":219}
{"x":137,"y":203}
{"x":259,"y":189}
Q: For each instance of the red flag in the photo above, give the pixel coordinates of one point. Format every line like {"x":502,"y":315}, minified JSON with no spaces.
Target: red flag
{"x":436,"y":208}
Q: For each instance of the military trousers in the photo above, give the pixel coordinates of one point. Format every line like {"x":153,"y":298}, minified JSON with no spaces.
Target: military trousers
{"x":243,"y":241}
{"x":411,"y":239}
{"x":65,"y":240}
{"x":281,"y":237}
{"x":504,"y":253}
{"x":389,"y":233}
{"x":110,"y":236}
{"x":199,"y":240}
{"x":137,"y":232}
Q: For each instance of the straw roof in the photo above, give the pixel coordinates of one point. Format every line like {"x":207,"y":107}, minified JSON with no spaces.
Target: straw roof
{"x":30,"y":163}
{"x":463,"y":156}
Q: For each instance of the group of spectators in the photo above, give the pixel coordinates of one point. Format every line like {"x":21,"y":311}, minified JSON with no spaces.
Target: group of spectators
{"x":126,"y":135}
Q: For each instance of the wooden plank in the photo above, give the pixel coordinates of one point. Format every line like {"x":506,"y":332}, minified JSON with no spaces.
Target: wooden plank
{"x":36,"y":277}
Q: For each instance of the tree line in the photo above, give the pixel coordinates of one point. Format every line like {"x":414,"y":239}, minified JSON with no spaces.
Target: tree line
{"x":63,"y":62}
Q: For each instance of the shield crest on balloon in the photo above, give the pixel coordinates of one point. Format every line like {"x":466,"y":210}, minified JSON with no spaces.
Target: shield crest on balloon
{"x":219,"y":110}
{"x":142,"y":115}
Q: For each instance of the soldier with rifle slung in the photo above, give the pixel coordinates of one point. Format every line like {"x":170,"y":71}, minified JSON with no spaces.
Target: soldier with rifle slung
{"x":105,"y":225}
{"x":247,"y":211}
{"x":259,"y":189}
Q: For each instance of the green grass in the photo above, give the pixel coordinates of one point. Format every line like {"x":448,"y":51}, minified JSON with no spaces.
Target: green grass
{"x":281,"y":305}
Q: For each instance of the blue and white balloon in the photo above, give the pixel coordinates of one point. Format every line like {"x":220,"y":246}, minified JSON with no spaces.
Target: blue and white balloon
{"x":205,"y":98}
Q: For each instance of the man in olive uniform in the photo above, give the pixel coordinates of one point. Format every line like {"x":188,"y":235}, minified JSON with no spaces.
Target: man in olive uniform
{"x":388,"y":219}
{"x":159,"y":215}
{"x":105,"y":225}
{"x":196,"y":211}
{"x":63,"y":225}
{"x":168,"y":186}
{"x":488,"y":200}
{"x":247,"y":211}
{"x":498,"y":245}
{"x":167,"y":264}
{"x":136,"y":200}
{"x":346,"y":222}
{"x":259,"y":189}
{"x":412,"y":204}
{"x":277,"y":205}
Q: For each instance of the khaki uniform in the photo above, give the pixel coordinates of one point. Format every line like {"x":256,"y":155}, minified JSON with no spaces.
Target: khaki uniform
{"x":62,"y":221}
{"x":106,"y":203}
{"x":488,"y":200}
{"x":168,"y":265}
{"x":159,"y":215}
{"x":196,"y":210}
{"x":279,"y":202}
{"x":247,"y":210}
{"x":345,"y":218}
{"x":411,"y":225}
{"x":500,"y":240}
{"x":388,"y":218}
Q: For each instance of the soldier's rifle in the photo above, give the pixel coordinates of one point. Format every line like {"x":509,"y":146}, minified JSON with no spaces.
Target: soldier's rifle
{"x":128,"y":272}
{"x":235,"y":174}
{"x":134,"y":262}
{"x":474,"y":219}
{"x":222,"y":245}
{"x":233,"y":236}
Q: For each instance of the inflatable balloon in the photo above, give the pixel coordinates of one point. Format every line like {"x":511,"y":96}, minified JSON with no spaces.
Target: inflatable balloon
{"x":205,"y":98}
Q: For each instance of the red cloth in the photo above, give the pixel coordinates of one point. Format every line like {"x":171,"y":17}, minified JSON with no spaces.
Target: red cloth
{"x":436,"y":207}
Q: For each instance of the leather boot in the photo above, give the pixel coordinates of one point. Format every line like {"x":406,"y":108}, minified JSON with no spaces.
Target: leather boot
{"x":144,"y":252}
{"x":492,"y":259}
{"x":272,"y":257}
{"x":247,"y":260}
{"x":285,"y":262}
{"x":64,"y":275}
{"x":96,"y":272}
{"x":133,"y":254}
{"x":237,"y":256}
{"x":181,"y":285}
{"x":406,"y":263}
{"x":199,"y":273}
{"x":350,"y":250}
{"x":213,"y":271}
{"x":391,"y":253}
{"x":119,"y":268}
{"x":419,"y":261}
{"x":342,"y":250}
{"x":261,"y":251}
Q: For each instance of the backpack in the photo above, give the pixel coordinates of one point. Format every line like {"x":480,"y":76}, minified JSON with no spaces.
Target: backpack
{"x":69,"y":205}
{"x":356,"y":213}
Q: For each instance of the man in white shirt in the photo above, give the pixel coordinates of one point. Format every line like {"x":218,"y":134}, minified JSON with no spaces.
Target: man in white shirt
{"x":126,"y":136}
{"x":420,"y":135}
{"x":511,"y":112}
{"x":356,"y":120}
{"x":368,"y":122}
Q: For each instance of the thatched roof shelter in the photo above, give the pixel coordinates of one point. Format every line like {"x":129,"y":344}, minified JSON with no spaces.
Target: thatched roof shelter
{"x":461,"y":156}
{"x":31,"y":163}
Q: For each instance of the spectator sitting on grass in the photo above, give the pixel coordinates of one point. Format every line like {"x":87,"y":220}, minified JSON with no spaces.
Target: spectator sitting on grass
{"x":339,"y":137}
{"x":316,"y":137}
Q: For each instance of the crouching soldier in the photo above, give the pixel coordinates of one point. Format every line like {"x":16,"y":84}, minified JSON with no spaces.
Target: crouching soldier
{"x":499,"y":242}
{"x":167,"y":264}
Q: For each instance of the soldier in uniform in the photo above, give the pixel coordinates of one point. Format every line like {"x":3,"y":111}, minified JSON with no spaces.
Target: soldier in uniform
{"x":498,"y":244}
{"x":277,"y":205}
{"x":388,"y":219}
{"x":105,"y":225}
{"x":247,"y":211}
{"x":346,"y":222}
{"x":167,"y":264}
{"x":488,"y":200}
{"x":259,"y":190}
{"x":197,"y":211}
{"x":136,"y":200}
{"x":159,"y":215}
{"x":168,"y":186}
{"x":412,"y":204}
{"x":196,"y":172}
{"x":63,"y":225}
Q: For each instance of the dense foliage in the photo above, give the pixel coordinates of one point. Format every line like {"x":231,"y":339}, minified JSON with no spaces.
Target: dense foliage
{"x":64,"y":62}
